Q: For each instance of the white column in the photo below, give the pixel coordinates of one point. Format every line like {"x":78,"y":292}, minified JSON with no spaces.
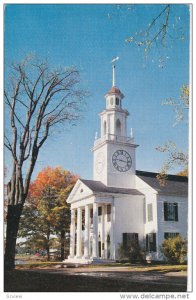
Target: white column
{"x":72,"y":234}
{"x":86,"y":233}
{"x":79,"y":232}
{"x":103,"y":231}
{"x":95,"y":231}
{"x":112,"y":232}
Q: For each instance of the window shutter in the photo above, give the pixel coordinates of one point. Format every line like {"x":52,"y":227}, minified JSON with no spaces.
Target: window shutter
{"x":154,"y":246}
{"x":176,"y":211}
{"x":146,"y":242}
{"x":165,"y":211}
{"x":124,"y":240}
{"x":149,"y":210}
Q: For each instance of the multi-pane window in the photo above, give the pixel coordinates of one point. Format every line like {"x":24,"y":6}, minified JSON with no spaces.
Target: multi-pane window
{"x":99,"y":211}
{"x":83,"y":219}
{"x":108,"y":213}
{"x":170,"y":211}
{"x":99,"y":214}
{"x":91,"y":216}
{"x":129,"y":238}
{"x":149,"y":212}
{"x":170,"y":235}
{"x":151,"y":242}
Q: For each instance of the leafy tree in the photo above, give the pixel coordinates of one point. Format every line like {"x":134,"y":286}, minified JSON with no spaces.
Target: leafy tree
{"x":183,"y":173}
{"x":174,"y":249}
{"x":180,"y":106}
{"x":47,"y":212}
{"x":37,"y":100}
{"x":176,"y":157}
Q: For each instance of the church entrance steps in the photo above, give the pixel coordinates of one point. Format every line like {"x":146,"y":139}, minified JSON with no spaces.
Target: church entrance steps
{"x":78,"y":261}
{"x":97,"y":261}
{"x":93,"y":261}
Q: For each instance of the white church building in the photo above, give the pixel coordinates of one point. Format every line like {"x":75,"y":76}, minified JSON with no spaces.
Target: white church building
{"x":122,"y":204}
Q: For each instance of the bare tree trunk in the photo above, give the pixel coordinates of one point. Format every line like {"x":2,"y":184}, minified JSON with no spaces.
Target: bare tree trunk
{"x":62,"y":244}
{"x":48,"y":241}
{"x":30,"y":123}
{"x":48,"y":252}
{"x":13,"y":218}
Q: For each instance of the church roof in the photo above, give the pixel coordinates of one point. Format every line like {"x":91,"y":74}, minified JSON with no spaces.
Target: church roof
{"x":98,"y":186}
{"x":174,"y":184}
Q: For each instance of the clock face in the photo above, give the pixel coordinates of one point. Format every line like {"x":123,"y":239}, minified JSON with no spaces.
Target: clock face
{"x":121,"y":160}
{"x":100,"y":161}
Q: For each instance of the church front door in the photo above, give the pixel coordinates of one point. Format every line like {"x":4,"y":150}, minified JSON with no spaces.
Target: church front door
{"x":108,"y":246}
{"x":99,"y":248}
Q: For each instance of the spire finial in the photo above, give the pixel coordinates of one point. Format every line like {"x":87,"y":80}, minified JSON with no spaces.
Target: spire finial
{"x":113,"y":71}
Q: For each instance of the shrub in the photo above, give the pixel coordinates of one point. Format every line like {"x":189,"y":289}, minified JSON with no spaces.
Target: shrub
{"x":174,"y":249}
{"x":132,"y":252}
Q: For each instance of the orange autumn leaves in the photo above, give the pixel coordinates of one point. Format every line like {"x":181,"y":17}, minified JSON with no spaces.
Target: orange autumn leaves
{"x":52,"y":179}
{"x":46,"y":215}
{"x":49,"y":191}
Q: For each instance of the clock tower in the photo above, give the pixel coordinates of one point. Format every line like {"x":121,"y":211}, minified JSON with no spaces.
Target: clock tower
{"x":114,"y":151}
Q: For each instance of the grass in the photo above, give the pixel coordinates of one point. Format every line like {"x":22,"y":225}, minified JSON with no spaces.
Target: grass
{"x":160,"y":268}
{"x":29,"y":264}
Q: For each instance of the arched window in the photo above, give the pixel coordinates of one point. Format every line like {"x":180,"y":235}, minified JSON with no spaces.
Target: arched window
{"x":104,"y":128}
{"x":118,"y":127}
{"x":117,"y":101}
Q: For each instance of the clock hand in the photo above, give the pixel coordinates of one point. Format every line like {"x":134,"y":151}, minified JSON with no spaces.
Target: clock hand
{"x":121,"y":160}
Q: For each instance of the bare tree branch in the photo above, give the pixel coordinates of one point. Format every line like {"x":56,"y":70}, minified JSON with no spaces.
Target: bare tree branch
{"x":155,"y":19}
{"x":43,"y":110}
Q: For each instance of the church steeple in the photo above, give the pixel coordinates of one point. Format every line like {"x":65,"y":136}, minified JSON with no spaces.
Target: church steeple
{"x":114,"y":151}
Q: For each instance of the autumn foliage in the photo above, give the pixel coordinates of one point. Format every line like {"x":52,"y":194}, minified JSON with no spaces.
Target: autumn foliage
{"x":54,"y":178}
{"x":47,"y":214}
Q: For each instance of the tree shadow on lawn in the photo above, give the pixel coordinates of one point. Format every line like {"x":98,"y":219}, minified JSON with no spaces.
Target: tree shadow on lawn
{"x":39,"y":281}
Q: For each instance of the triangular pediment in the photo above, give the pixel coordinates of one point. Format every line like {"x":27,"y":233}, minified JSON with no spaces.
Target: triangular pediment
{"x":79,"y":192}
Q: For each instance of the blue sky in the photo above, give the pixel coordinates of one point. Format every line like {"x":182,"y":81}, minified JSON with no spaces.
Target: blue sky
{"x":89,"y":36}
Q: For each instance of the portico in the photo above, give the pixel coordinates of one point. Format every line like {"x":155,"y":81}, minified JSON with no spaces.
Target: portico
{"x":91,"y":231}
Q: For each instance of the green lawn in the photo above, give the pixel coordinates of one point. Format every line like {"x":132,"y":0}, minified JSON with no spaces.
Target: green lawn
{"x":33,"y":262}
